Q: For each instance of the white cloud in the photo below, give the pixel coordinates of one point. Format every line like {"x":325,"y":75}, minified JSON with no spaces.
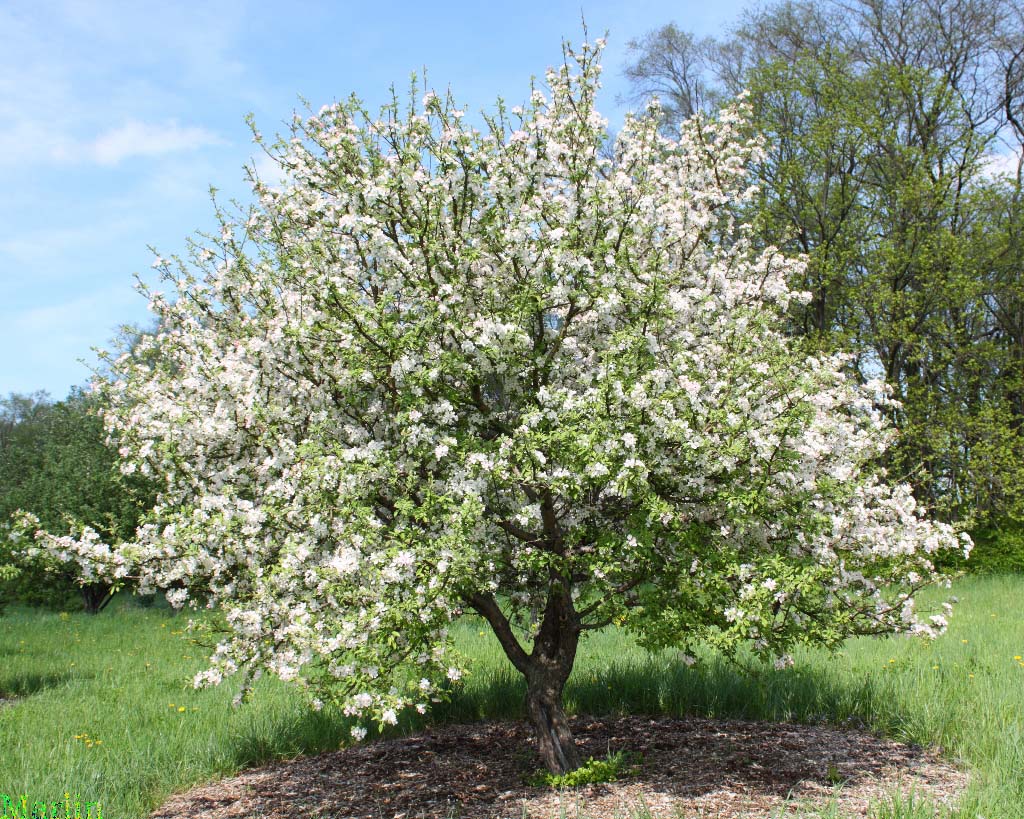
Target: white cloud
{"x":49,"y":246}
{"x":27,"y":142}
{"x":1000,"y":164}
{"x":50,"y":337}
{"x":74,"y":69}
{"x":136,"y":138}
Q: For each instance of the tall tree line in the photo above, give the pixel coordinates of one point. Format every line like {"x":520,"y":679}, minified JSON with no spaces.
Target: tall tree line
{"x":893,"y":133}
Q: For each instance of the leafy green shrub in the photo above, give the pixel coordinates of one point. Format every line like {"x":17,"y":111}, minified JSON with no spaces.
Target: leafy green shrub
{"x":7,"y":574}
{"x":998,"y":549}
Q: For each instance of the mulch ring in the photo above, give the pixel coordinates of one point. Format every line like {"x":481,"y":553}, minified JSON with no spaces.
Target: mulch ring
{"x":689,"y":767}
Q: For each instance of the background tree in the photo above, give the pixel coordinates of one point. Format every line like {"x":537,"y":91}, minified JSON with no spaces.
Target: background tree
{"x":55,"y":464}
{"x":14,"y":411}
{"x":881,"y":118}
{"x":447,"y":371}
{"x":671,"y":64}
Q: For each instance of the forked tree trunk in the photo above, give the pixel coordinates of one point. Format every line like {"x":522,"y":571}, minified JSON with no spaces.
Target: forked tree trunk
{"x":546,"y":669}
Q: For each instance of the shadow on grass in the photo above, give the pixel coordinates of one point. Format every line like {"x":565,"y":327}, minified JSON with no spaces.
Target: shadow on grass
{"x":26,"y":683}
{"x":719,"y":689}
{"x":285,"y":733}
{"x":655,"y":687}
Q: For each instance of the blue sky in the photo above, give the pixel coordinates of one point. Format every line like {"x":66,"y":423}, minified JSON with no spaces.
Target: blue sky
{"x":117,"y":117}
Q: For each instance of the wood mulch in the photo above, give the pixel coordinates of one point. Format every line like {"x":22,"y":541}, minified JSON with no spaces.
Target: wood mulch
{"x":689,"y":767}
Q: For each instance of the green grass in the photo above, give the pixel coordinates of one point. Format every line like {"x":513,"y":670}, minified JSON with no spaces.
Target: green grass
{"x":111,"y":681}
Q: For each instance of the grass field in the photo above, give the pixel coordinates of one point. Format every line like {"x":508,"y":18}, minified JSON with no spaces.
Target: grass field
{"x":105,"y":710}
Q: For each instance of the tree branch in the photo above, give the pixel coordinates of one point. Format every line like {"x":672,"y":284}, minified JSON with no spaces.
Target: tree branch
{"x":487,"y":607}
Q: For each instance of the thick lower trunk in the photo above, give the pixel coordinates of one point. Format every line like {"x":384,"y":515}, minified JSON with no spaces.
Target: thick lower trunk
{"x":95,"y":597}
{"x":555,"y":742}
{"x":550,"y":664}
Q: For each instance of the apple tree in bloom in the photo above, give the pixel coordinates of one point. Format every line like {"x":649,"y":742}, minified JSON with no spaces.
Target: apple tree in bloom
{"x":506,"y":372}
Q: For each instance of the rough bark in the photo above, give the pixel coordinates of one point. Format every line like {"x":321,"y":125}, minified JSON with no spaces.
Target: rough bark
{"x":555,"y":742}
{"x":546,"y":669}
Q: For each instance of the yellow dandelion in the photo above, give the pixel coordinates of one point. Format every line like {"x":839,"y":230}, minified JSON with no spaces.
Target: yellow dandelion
{"x":1017,"y":657}
{"x":170,"y":705}
{"x":181,"y":709}
{"x":963,"y":641}
{"x":935,"y":667}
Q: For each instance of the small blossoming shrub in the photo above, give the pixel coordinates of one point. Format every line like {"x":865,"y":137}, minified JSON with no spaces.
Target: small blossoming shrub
{"x":505,"y":371}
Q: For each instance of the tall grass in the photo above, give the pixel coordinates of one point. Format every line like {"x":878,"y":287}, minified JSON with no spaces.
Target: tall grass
{"x":105,"y":710}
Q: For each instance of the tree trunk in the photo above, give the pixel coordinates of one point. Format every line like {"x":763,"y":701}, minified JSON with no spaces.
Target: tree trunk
{"x":555,"y":742}
{"x":546,"y":669}
{"x":550,"y":664}
{"x":95,"y":597}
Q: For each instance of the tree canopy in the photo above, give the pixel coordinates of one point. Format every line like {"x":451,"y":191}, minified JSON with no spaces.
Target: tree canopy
{"x":504,"y":371}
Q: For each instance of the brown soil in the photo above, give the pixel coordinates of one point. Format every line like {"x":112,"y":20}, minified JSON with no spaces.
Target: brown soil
{"x":690,"y":767}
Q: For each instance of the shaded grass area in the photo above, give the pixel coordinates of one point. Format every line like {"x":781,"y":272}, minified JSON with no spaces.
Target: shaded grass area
{"x":105,"y":709}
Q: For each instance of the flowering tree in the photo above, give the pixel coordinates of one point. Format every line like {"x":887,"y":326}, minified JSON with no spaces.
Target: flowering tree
{"x":506,"y":372}
{"x":83,"y":554}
